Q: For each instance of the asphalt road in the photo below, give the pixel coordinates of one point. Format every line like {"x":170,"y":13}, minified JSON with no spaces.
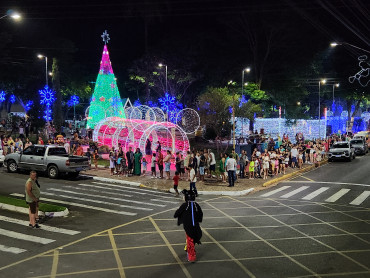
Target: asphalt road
{"x":306,"y":227}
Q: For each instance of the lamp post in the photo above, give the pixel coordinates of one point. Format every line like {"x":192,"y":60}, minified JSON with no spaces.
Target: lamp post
{"x":335,"y":85}
{"x":46,"y":66}
{"x":13,"y":14}
{"x":233,"y":115}
{"x":323,"y":81}
{"x":247,"y":70}
{"x":334,"y":44}
{"x":162,"y":65}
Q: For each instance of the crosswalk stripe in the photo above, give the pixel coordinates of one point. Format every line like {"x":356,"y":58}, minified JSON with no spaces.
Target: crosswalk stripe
{"x":290,"y":194}
{"x":98,"y":191}
{"x":315,"y":193}
{"x":165,"y":201}
{"x":275,"y":191}
{"x":110,"y":198}
{"x":13,"y":250}
{"x":77,"y":204}
{"x":44,"y":227}
{"x":337,"y":195}
{"x":133,"y":190}
{"x":26,"y":237}
{"x":361,"y":198}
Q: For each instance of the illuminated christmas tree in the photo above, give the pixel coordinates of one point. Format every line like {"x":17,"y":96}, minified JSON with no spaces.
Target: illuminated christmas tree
{"x":106,"y":100}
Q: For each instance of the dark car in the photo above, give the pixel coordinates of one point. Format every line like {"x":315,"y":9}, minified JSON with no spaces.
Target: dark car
{"x":360,"y":146}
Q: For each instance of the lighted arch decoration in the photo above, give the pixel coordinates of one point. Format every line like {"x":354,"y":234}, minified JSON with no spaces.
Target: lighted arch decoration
{"x":188,"y":119}
{"x":159,"y":114}
{"x":134,"y":133}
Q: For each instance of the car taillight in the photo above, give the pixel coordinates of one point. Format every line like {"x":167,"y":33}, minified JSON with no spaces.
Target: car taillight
{"x":67,"y":163}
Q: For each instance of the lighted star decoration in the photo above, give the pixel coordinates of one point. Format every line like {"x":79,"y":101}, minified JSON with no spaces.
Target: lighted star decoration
{"x":28,"y":105}
{"x":102,"y":98}
{"x":47,"y":96}
{"x":74,"y":100}
{"x":105,"y":37}
{"x":112,"y":85}
{"x":2,"y":96}
{"x":12,"y":98}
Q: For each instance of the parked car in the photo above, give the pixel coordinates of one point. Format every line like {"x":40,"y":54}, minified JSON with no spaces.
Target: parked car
{"x":359,"y":145}
{"x":46,"y":158}
{"x":2,"y":158}
{"x":341,"y":150}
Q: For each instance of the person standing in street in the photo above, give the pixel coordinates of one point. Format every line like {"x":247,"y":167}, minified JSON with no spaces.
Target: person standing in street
{"x":231,"y":168}
{"x":190,"y":215}
{"x":193,"y":179}
{"x":137,"y":162}
{"x":32,"y":198}
{"x":130,"y":161}
{"x":242,"y":162}
{"x":212,"y":163}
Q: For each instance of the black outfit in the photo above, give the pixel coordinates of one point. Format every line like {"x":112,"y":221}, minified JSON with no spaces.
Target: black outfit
{"x":185,"y":214}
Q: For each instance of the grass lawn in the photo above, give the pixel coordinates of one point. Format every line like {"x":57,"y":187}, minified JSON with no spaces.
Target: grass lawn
{"x":22,"y":203}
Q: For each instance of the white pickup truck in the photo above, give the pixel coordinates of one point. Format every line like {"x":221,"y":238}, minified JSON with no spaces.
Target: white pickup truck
{"x":46,"y":158}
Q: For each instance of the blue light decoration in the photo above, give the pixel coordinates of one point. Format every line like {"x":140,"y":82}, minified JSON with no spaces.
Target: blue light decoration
{"x":170,"y":106}
{"x":28,"y":105}
{"x":137,"y":103}
{"x":2,"y":96}
{"x":12,"y":98}
{"x":74,"y":100}
{"x":243,"y":99}
{"x":47,"y":97}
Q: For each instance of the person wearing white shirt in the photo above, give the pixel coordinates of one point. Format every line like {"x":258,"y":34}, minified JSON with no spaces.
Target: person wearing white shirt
{"x":212,"y":162}
{"x":231,"y":168}
{"x":193,"y":179}
{"x":67,"y":146}
{"x":294,"y":155}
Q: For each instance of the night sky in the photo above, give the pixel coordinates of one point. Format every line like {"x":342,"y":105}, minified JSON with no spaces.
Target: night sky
{"x":213,"y":30}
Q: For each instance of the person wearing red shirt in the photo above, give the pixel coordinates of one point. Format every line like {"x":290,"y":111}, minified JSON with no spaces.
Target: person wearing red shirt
{"x":176,"y":179}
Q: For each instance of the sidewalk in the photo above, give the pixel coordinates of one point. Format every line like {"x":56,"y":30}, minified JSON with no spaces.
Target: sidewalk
{"x":209,"y":185}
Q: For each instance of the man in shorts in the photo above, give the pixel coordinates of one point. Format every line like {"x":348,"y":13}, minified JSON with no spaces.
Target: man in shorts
{"x":32,"y":198}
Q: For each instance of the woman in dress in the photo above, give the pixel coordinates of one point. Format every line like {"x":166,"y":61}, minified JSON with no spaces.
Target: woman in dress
{"x":137,"y":162}
{"x":222,"y":167}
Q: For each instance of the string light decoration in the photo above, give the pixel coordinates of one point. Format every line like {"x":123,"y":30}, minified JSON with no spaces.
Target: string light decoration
{"x":362,"y":76}
{"x":47,"y":97}
{"x":106,"y":100}
{"x":114,"y":130}
{"x":74,"y":100}
{"x":2,"y":96}
{"x":188,"y":119}
{"x":170,"y":106}
{"x":12,"y":99}
{"x":28,"y":105}
{"x":159,"y":114}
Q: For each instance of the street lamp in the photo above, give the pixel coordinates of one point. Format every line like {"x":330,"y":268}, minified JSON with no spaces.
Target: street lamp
{"x":13,"y":14}
{"x":162,"y":65}
{"x":335,"y":85}
{"x":323,"y":81}
{"x":46,"y":66}
{"x":334,"y":44}
{"x":247,"y":70}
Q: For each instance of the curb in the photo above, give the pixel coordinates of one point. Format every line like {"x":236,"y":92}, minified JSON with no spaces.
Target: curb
{"x":297,"y":173}
{"x":41,"y":213}
{"x":221,"y":193}
{"x":225,"y":193}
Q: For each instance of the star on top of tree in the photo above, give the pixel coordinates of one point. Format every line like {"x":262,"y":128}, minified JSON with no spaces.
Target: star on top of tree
{"x":105,"y":37}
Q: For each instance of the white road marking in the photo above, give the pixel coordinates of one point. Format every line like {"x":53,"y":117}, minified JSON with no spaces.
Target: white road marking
{"x":77,"y":204}
{"x":165,"y":201}
{"x":328,"y":182}
{"x":337,"y":195}
{"x":133,"y":190}
{"x":290,"y":194}
{"x":275,"y":191}
{"x":21,"y":236}
{"x":361,"y":198}
{"x":13,"y":250}
{"x":44,"y":227}
{"x":104,"y":191}
{"x":315,"y":193}
{"x":106,"y":197}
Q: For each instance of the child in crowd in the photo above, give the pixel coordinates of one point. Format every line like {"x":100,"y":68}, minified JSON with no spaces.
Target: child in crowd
{"x":193,"y":180}
{"x":251,"y":169}
{"x":286,"y":162}
{"x":190,"y":215}
{"x":118,"y":165}
{"x":256,"y":168}
{"x":152,"y":165}
{"x":300,"y":160}
{"x":143,"y":161}
{"x":276,"y":167}
{"x":95,"y":159}
{"x":176,"y":179}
